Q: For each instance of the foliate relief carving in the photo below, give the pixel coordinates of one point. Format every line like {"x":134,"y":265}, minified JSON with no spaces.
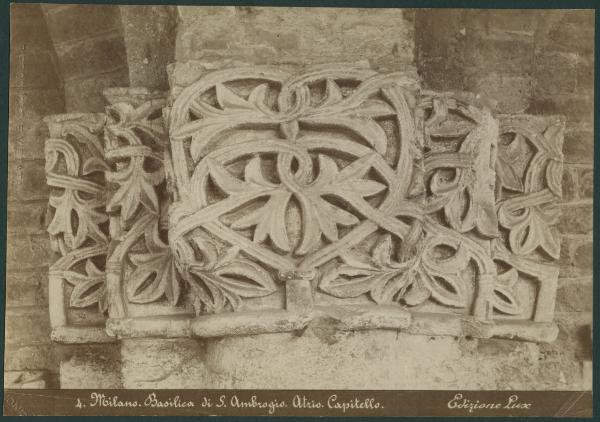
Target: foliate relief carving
{"x":338,"y":191}
{"x":528,"y":187}
{"x":302,"y":166}
{"x":78,"y":223}
{"x":139,"y":266}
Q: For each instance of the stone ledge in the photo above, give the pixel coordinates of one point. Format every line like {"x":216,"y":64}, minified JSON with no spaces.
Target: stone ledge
{"x":70,"y":334}
{"x":340,"y":318}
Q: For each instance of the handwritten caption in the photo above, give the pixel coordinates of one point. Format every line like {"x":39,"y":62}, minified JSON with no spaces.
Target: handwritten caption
{"x":460,"y":402}
{"x":299,"y":401}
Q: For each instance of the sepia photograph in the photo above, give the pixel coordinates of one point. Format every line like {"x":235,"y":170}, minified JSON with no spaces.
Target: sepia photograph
{"x":298,"y":211}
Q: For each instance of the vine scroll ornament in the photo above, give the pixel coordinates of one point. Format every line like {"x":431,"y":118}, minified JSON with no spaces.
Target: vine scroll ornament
{"x":256,"y":200}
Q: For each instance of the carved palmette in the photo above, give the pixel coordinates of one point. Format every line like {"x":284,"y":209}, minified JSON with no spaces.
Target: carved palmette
{"x":77,"y":220}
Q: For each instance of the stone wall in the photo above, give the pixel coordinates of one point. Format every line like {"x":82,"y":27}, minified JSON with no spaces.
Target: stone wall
{"x":91,"y":52}
{"x":35,"y":91}
{"x":296,"y":36}
{"x":540,"y":62}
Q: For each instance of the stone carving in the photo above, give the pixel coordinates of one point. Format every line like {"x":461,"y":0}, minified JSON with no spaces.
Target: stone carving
{"x":78,"y":231}
{"x":256,"y":200}
{"x":137,"y":204}
{"x":528,"y":187}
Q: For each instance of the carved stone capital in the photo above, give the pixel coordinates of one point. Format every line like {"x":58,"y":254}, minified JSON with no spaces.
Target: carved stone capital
{"x":257,"y":200}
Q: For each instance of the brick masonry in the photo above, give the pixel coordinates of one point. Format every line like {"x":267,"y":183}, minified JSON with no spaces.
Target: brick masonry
{"x":35,"y":91}
{"x":90,"y":50}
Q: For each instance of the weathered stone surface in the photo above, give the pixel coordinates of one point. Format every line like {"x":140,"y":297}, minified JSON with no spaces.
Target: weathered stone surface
{"x":294,"y":35}
{"x":570,"y":184}
{"x":25,"y":379}
{"x":35,"y":91}
{"x":35,"y":70}
{"x":583,"y":257}
{"x":27,"y":325}
{"x":84,"y":95}
{"x":574,"y":295}
{"x":109,"y":55}
{"x":147,"y":54}
{"x":330,"y":359}
{"x":586,"y":183}
{"x":576,"y":219}
{"x":579,"y":146}
{"x":33,"y":181}
{"x":19,"y":357}
{"x":27,"y":252}
{"x":557,"y":73}
{"x":74,"y":22}
{"x":26,"y":219}
{"x":512,"y":93}
{"x":26,"y":288}
{"x":576,"y":107}
{"x":511,"y":56}
{"x":92,"y":366}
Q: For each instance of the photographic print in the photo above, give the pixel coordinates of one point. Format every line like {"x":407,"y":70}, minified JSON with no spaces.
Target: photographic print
{"x":307,"y":211}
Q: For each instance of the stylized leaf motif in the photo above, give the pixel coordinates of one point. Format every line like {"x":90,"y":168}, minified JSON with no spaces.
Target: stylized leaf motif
{"x":226,"y":278}
{"x":333,"y":94}
{"x":507,"y":175}
{"x":390,"y":286}
{"x":411,"y":282}
{"x":504,"y":299}
{"x":359,"y":118}
{"x":382,"y":252}
{"x":415,"y":293}
{"x":88,"y":289}
{"x":269,"y":221}
{"x":346,"y":281}
{"x":256,"y":100}
{"x":245,"y":278}
{"x":382,"y":280}
{"x":531,"y":227}
{"x":88,"y":219}
{"x":136,"y":188}
{"x":466,"y":197}
{"x":155,"y":276}
{"x":320,"y":216}
{"x":443,"y":279}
